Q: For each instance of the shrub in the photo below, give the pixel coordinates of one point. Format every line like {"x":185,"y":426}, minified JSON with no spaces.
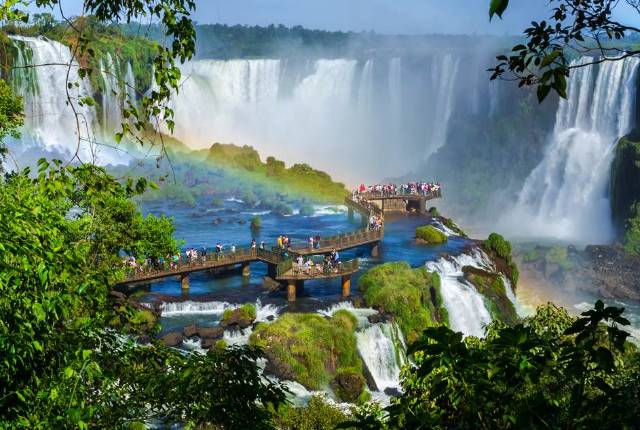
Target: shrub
{"x":430,"y":234}
{"x":256,"y":222}
{"x":317,"y":414}
{"x":499,"y":245}
{"x":433,"y":211}
{"x":631,"y":239}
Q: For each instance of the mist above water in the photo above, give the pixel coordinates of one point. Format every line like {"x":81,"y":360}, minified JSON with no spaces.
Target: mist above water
{"x":566,"y":196}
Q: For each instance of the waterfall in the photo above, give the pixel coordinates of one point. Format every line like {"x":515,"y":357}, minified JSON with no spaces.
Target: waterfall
{"x":395,"y":95}
{"x":466,"y":307}
{"x":365,"y":91}
{"x":191,"y":307}
{"x":111,"y":112}
{"x":382,"y":348}
{"x":130,"y":85}
{"x":50,"y":124}
{"x":566,"y":196}
{"x":443,"y":76}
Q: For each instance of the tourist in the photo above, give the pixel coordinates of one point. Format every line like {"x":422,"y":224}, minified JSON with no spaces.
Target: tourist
{"x":280,"y":243}
{"x":262,"y":244}
{"x":253,"y":244}
{"x":317,"y":241}
{"x":299,"y":261}
{"x":233,"y":249}
{"x":311,"y":242}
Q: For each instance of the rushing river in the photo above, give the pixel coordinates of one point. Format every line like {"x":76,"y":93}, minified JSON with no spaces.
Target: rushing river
{"x":381,"y":345}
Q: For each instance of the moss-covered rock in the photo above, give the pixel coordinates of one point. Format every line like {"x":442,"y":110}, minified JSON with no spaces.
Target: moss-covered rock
{"x":625,"y":180}
{"x":411,"y":295}
{"x":449,"y":223}
{"x":492,"y":287}
{"x":348,"y":384}
{"x":309,"y":348}
{"x":430,"y":235}
{"x":499,"y":249}
{"x":241,"y":317}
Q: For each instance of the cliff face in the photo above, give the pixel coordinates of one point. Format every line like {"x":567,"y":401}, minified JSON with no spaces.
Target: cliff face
{"x":625,"y":179}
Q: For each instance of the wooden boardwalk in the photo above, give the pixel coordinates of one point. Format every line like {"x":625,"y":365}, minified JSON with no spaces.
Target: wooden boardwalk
{"x":280,"y":261}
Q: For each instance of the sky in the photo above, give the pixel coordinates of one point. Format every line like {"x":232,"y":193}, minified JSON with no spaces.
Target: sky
{"x":381,"y":16}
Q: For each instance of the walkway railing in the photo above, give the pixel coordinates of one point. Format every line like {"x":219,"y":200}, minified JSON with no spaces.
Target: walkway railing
{"x":275,"y":256}
{"x":321,"y":270}
{"x":384,"y":195}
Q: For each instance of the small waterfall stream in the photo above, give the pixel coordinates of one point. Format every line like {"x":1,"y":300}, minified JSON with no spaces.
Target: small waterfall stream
{"x":466,"y":307}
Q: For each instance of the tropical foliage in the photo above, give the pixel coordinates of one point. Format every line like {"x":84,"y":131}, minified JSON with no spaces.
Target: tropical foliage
{"x":549,"y":371}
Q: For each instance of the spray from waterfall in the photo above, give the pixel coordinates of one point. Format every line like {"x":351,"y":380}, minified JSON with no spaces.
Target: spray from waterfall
{"x":566,"y":195}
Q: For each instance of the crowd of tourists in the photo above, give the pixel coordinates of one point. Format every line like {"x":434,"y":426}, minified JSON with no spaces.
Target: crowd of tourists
{"x":391,"y":190}
{"x":330,"y":264}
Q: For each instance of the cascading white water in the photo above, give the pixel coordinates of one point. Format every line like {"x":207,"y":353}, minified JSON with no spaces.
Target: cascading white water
{"x":130,"y":85}
{"x":41,"y":79}
{"x":382,"y":348}
{"x":322,"y":111}
{"x":566,"y":195}
{"x":111,"y":112}
{"x":365,"y":90}
{"x":42,"y":70}
{"x":443,"y":76}
{"x":466,"y":307}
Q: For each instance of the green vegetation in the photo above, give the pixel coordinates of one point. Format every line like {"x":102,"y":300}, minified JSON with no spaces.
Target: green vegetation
{"x":245,"y":312}
{"x":316,"y":184}
{"x":60,"y":364}
{"x":235,"y":171}
{"x":448,"y":222}
{"x":430,"y":235}
{"x":433,"y":211}
{"x":548,"y":371}
{"x":625,"y":194}
{"x":500,"y":246}
{"x":411,"y":295}
{"x":492,"y":288}
{"x":310,"y":348}
{"x":318,"y":414}
{"x":631,"y":239}
{"x":500,"y":250}
{"x":558,"y":255}
{"x":11,"y":117}
{"x":256,"y":222}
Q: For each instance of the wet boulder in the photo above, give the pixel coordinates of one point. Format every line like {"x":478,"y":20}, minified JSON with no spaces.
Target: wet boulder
{"x":270,"y":284}
{"x":172,"y":339}
{"x":190,"y":330}
{"x":241,"y":317}
{"x":210,"y":332}
{"x":348,"y":384}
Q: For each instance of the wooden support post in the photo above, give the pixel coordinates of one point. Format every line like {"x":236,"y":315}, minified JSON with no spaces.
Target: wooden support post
{"x":291,"y":291}
{"x":422,"y":205}
{"x":375,"y":250}
{"x":184,"y":282}
{"x":346,"y":285}
{"x":245,"y":270}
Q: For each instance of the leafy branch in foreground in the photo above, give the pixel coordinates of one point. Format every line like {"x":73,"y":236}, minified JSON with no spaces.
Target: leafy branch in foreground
{"x":575,"y":27}
{"x":61,"y":234}
{"x":550,"y":371}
